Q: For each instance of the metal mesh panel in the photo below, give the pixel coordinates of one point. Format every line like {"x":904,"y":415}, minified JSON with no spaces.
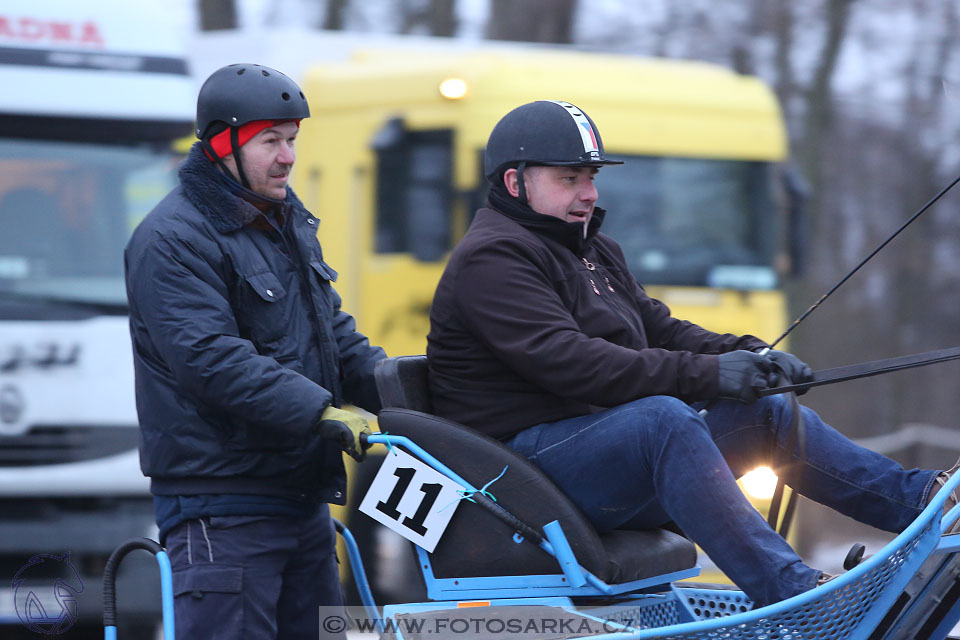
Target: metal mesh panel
{"x":648,"y":612}
{"x":836,"y":614}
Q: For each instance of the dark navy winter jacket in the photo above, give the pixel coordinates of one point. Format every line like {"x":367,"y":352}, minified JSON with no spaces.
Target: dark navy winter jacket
{"x":239,"y":345}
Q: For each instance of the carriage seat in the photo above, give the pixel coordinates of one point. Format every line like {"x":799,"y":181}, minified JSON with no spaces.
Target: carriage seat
{"x":476,"y":544}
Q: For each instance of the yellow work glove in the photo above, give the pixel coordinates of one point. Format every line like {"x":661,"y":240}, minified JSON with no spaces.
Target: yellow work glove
{"x":345,"y":428}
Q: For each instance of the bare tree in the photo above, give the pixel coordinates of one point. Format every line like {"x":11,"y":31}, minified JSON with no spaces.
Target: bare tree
{"x":783,"y":29}
{"x":334,"y":15}
{"x":443,"y":17}
{"x":532,"y":20}
{"x":217,"y":14}
{"x":819,"y":95}
{"x":436,"y":17}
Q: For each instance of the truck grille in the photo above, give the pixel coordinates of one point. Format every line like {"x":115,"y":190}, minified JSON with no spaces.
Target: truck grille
{"x":61,"y":444}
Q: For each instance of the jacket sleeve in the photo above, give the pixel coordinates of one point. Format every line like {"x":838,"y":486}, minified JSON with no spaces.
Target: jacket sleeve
{"x":663,"y":330}
{"x":182,"y":303}
{"x":510,"y":304}
{"x":357,"y":360}
{"x":667,"y":332}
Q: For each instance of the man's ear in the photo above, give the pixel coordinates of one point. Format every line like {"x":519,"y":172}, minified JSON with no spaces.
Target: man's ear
{"x":510,"y":182}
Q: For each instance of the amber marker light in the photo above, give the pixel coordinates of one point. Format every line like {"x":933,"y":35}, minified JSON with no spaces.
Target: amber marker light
{"x":453,"y":88}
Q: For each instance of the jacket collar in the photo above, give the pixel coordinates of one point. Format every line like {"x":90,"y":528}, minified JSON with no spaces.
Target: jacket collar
{"x":216,"y":198}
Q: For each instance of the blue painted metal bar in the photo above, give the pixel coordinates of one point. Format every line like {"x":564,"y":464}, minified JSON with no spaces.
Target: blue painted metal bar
{"x":915,"y":531}
{"x":166,"y":595}
{"x":564,"y":554}
{"x":486,"y":588}
{"x":423,"y":455}
{"x":359,"y":573}
{"x":947,"y":624}
{"x":445,"y":470}
{"x":904,"y":555}
{"x":948,"y":544}
{"x":905,"y":627}
{"x":950,"y":517}
{"x":109,"y":585}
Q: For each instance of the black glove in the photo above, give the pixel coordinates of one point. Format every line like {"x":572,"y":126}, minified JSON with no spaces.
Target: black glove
{"x":741,"y":374}
{"x":792,"y":370}
{"x":345,"y":428}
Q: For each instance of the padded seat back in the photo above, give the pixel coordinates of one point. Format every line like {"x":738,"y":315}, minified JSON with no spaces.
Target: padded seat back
{"x":478,"y":544}
{"x":403,"y":384}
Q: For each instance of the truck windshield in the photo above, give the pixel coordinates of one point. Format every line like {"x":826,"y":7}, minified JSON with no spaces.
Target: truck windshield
{"x":691,"y":221}
{"x":66,"y":211}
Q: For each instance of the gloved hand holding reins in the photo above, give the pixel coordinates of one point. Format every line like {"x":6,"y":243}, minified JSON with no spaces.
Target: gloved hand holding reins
{"x":345,"y":428}
{"x":741,"y":374}
{"x":789,"y":369}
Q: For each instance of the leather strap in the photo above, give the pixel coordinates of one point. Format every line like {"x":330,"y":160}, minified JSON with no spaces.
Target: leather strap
{"x":867,"y":369}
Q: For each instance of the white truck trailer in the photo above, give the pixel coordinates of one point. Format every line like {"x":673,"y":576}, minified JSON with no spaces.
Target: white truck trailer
{"x":93,"y":96}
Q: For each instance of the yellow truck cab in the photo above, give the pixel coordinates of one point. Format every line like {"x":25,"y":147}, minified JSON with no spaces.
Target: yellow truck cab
{"x":391,"y":161}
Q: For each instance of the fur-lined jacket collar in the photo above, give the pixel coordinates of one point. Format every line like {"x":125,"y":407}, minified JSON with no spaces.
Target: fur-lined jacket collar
{"x":218,"y":198}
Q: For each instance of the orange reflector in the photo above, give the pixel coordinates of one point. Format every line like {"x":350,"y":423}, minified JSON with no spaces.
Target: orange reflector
{"x":478,"y":603}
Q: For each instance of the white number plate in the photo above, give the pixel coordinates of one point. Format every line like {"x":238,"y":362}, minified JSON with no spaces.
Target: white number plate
{"x":411,"y":498}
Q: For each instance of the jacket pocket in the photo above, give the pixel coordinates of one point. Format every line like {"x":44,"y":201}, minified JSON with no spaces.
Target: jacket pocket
{"x":325,"y":271}
{"x":201,"y":589}
{"x":263,"y":313}
{"x":330,"y":301}
{"x":323,"y":283}
{"x":267,"y":286}
{"x":208,"y":578}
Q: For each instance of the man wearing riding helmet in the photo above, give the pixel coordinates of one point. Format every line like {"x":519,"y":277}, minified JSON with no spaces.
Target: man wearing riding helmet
{"x":242,"y":358}
{"x":540,"y":337}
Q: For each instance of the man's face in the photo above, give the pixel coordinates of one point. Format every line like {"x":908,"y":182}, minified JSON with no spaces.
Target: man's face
{"x":267,"y":160}
{"x":567,"y":193}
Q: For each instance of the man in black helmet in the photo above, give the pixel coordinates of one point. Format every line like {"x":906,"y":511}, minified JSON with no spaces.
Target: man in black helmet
{"x":541,"y":338}
{"x":242,"y":358}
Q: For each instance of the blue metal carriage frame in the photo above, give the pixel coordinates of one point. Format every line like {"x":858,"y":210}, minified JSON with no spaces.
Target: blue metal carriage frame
{"x":853,"y":605}
{"x":870,"y":602}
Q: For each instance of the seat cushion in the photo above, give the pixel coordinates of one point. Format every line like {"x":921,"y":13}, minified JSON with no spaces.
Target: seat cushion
{"x":633,"y":555}
{"x":478,"y":544}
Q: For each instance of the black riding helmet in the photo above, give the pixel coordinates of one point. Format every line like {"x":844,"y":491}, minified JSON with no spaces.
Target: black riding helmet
{"x":545,"y":132}
{"x":238,"y":94}
{"x":241,"y":93}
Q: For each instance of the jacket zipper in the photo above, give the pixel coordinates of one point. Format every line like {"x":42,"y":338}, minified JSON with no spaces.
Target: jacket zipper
{"x":614,"y":302}
{"x":292,"y":243}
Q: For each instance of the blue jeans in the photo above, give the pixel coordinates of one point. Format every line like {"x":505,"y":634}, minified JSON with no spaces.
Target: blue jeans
{"x":256,"y":577}
{"x":656,"y":460}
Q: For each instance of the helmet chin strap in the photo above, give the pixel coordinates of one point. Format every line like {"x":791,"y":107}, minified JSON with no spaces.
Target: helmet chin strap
{"x":235,"y":145}
{"x":248,"y":194}
{"x":213,"y":156}
{"x":521,"y":191}
{"x":208,"y":148}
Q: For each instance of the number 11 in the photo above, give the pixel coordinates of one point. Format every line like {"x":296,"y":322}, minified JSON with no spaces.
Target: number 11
{"x":430,"y":492}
